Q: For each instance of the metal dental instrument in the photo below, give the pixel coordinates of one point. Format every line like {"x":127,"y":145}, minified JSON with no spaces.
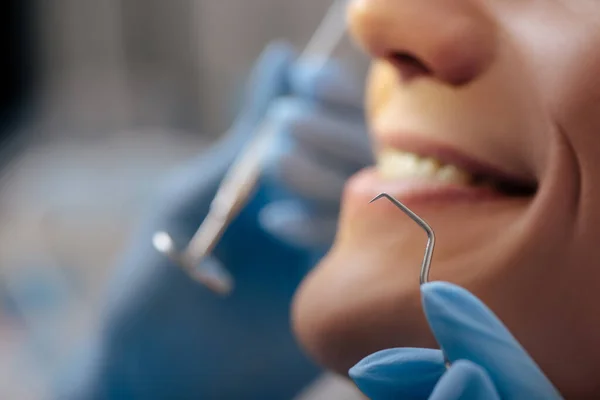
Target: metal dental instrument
{"x":426,"y":265}
{"x":242,"y":177}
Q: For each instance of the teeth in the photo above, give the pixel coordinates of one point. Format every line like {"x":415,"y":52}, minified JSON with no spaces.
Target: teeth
{"x":452,"y":174}
{"x":393,"y":164}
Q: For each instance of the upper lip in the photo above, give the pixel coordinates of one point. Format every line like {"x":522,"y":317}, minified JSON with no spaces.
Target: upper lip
{"x":447,"y":154}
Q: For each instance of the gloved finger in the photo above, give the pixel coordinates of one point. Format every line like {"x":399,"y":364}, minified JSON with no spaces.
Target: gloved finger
{"x":466,"y":329}
{"x":296,"y":224}
{"x":326,"y":133}
{"x":402,"y":373}
{"x":329,"y":82}
{"x":302,"y":175}
{"x":465,"y":381}
{"x":309,"y":180}
{"x":268,"y":80}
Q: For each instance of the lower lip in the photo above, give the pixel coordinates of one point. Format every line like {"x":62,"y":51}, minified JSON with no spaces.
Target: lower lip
{"x":368,"y":183}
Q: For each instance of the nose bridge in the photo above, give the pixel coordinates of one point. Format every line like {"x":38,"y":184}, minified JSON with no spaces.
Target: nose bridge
{"x":455,"y":40}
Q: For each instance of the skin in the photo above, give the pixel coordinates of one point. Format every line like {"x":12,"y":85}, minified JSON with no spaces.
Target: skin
{"x":513,"y":83}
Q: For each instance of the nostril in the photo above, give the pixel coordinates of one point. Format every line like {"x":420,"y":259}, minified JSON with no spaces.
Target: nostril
{"x":408,"y":66}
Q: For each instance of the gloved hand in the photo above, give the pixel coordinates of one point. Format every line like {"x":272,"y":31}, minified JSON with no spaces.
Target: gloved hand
{"x":487,"y":362}
{"x":167,"y":337}
{"x":322,"y":142}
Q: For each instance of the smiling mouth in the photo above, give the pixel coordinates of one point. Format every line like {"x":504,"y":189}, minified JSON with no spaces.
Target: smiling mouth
{"x":445,"y":168}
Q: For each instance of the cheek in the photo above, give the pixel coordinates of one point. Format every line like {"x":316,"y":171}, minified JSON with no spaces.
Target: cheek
{"x":562,"y":49}
{"x":575,"y":107}
{"x":574,"y":99}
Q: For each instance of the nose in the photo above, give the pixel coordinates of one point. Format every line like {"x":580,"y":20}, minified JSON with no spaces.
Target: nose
{"x":451,"y":40}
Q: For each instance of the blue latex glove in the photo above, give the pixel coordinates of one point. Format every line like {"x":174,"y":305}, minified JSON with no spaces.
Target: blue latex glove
{"x":167,"y":337}
{"x":487,"y":361}
{"x":323,"y":141}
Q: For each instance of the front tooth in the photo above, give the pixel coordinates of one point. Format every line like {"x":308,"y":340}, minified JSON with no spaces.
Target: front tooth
{"x":427,"y":167}
{"x":395,"y":164}
{"x":452,"y":174}
{"x":406,"y":165}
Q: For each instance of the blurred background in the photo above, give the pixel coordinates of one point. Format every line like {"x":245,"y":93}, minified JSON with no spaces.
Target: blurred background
{"x":99,"y":98}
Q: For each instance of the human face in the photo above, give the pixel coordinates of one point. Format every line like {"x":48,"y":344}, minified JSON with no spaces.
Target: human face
{"x":505,"y":96}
